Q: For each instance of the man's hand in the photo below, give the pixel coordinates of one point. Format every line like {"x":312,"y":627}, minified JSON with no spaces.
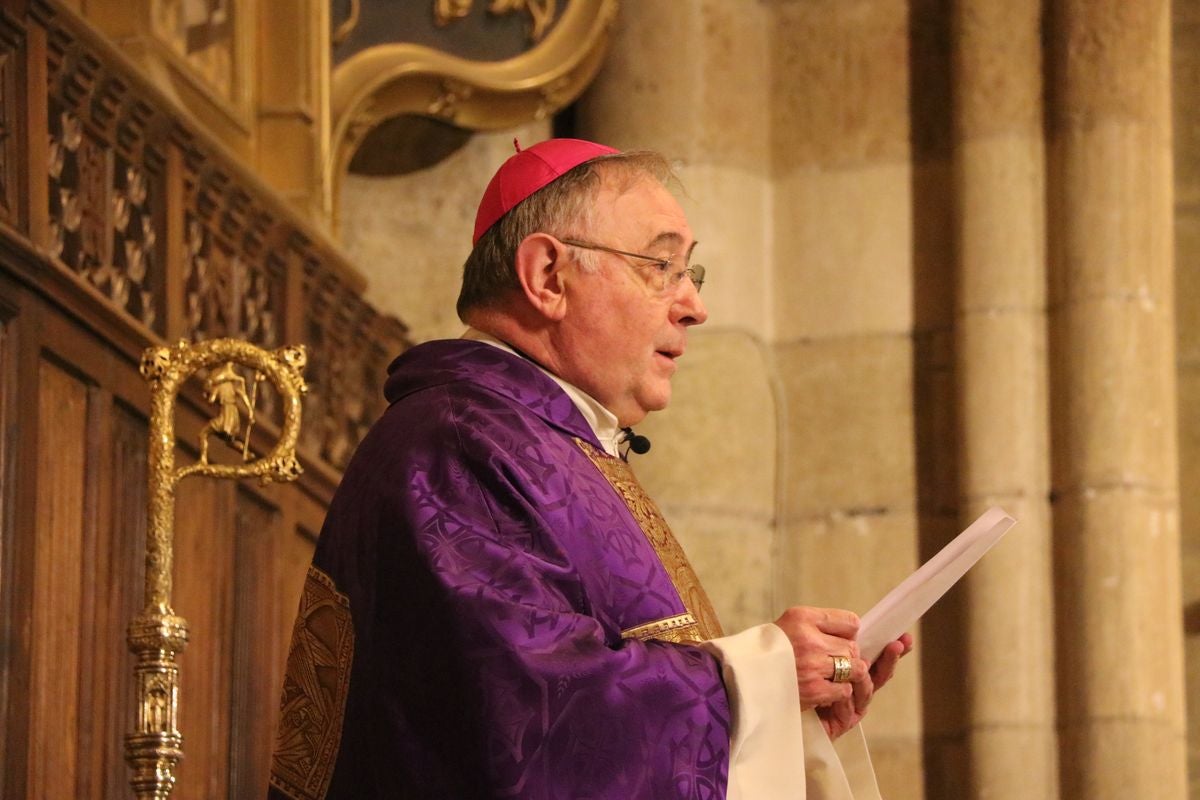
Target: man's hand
{"x":843,"y":715}
{"x":817,"y":635}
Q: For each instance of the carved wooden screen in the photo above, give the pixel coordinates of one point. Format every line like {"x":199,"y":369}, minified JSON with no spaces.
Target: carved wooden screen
{"x":121,"y":227}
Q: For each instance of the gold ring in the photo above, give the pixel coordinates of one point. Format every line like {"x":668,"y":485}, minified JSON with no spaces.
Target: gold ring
{"x":841,"y":669}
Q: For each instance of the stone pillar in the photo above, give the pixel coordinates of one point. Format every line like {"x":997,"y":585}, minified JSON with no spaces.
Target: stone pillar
{"x":708,"y":110}
{"x":1001,"y":370}
{"x":1113,"y":390}
{"x":689,"y":78}
{"x":935,"y":388}
{"x":844,"y":314}
{"x":1185,"y":56}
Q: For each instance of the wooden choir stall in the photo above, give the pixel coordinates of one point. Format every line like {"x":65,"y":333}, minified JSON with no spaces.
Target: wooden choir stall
{"x":124,"y":225}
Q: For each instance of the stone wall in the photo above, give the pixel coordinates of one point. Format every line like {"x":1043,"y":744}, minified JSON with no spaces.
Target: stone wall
{"x":411,"y":234}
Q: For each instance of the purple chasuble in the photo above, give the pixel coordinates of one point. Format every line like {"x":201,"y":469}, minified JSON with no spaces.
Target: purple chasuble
{"x":460,"y":632}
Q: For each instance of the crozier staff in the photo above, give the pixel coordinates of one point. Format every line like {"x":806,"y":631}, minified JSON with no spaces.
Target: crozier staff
{"x":495,"y":607}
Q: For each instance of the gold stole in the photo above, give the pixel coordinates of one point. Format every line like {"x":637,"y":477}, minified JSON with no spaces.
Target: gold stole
{"x":699,"y":623}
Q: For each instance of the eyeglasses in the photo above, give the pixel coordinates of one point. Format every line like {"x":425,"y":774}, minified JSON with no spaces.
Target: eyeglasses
{"x":666,"y":279}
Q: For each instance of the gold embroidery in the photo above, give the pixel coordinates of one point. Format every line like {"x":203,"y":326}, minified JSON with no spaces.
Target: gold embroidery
{"x":314,"y":691}
{"x":650,"y":520}
{"x":682,"y":628}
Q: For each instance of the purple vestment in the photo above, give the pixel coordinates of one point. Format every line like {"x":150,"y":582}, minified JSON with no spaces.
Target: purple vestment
{"x":466,"y":604}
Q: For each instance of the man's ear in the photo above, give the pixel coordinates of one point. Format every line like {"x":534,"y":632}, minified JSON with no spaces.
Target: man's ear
{"x":541,"y":265}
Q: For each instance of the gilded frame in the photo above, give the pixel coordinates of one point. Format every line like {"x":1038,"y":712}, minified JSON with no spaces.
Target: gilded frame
{"x":382,"y":82}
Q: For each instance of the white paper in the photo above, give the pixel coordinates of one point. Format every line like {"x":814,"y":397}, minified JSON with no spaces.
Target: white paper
{"x":904,"y":605}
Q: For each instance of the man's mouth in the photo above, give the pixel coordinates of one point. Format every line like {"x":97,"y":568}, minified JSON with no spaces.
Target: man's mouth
{"x":669,"y":356}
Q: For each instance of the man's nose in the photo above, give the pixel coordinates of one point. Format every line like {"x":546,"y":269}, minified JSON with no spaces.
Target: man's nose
{"x":688,"y":308}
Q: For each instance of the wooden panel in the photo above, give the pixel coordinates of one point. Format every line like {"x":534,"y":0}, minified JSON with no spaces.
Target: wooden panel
{"x":23,"y":365}
{"x":204,"y":549}
{"x":257,"y":659}
{"x":122,"y":567}
{"x":95,"y":688}
{"x":58,"y":532}
{"x":7,"y":530}
{"x":294,"y":544}
{"x":293,"y":555}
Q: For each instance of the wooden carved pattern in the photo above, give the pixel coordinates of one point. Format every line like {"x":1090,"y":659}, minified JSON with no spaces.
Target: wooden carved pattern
{"x":233,"y":283}
{"x":104,"y":186}
{"x":227,"y":292}
{"x":108,"y":139}
{"x":9,"y":120}
{"x":347,"y":363}
{"x":234,"y":286}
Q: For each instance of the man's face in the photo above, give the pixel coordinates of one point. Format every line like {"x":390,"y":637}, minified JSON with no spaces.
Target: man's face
{"x":622,"y":335}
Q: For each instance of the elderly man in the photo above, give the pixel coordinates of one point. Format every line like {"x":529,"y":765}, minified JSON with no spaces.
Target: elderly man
{"x":495,"y":607}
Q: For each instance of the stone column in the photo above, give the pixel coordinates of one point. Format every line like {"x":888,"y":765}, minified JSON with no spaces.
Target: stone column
{"x":707,"y":108}
{"x":689,"y":78}
{"x":844,"y":239}
{"x":1003,"y":454}
{"x":1119,"y":643}
{"x":1185,"y":58}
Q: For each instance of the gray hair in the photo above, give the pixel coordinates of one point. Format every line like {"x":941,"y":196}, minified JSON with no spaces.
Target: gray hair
{"x":490,"y":270}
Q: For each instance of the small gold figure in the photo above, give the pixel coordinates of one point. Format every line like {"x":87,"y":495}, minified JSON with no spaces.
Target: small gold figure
{"x":226,"y":388}
{"x":158,"y":700}
{"x":541,"y":12}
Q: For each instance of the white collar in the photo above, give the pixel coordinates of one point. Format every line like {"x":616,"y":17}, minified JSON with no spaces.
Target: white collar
{"x":602,"y":421}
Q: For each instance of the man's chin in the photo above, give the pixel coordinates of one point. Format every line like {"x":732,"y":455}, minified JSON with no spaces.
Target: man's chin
{"x":636,"y":415}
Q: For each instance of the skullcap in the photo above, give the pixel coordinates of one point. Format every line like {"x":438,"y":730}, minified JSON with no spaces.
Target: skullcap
{"x":529,"y":170}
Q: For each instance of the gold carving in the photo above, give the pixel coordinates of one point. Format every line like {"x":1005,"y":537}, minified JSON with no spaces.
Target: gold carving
{"x":554,"y":96}
{"x":313,"y":705}
{"x":156,"y":636}
{"x":453,"y":94}
{"x":382,"y":82}
{"x":343,"y":31}
{"x":447,"y":11}
{"x":227,"y":388}
{"x":650,"y":519}
{"x":541,"y":12}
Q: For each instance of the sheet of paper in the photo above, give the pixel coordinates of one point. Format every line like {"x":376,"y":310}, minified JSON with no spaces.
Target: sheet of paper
{"x":903,"y":606}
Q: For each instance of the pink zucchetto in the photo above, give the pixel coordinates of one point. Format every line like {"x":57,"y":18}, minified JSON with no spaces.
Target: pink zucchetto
{"x":529,"y":170}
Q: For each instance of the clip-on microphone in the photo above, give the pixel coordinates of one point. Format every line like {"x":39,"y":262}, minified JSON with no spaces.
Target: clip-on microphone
{"x":637,"y":443}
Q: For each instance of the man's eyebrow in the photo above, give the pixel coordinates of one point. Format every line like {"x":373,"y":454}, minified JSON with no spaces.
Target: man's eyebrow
{"x":671,"y":238}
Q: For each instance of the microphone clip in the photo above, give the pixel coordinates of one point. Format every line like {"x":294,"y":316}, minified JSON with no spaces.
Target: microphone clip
{"x":637,"y":443}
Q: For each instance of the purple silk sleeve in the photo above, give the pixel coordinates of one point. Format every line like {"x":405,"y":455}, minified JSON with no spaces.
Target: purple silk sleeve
{"x":490,"y":570}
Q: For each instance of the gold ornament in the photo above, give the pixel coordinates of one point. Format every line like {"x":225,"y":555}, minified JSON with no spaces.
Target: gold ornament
{"x":156,"y":636}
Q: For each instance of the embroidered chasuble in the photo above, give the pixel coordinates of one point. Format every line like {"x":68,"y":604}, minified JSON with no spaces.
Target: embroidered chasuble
{"x":699,"y":623}
{"x":496,"y":609}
